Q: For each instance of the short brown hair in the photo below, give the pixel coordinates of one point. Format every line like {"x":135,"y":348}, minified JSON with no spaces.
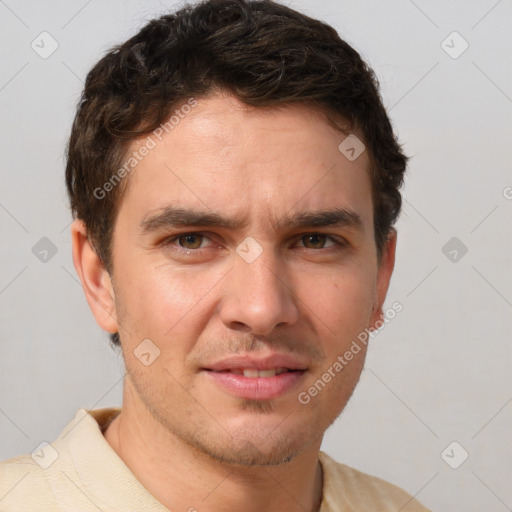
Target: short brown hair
{"x":263,"y":53}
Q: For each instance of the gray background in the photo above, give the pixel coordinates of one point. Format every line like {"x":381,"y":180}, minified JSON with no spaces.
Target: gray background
{"x":439,"y":372}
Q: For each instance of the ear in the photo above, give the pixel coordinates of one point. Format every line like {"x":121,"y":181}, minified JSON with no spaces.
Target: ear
{"x":384,"y":272}
{"x":95,"y":280}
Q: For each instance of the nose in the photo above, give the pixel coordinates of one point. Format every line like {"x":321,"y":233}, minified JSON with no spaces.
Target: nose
{"x":257,"y":298}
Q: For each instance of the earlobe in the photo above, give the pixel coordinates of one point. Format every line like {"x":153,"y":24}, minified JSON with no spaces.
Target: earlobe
{"x":95,"y":279}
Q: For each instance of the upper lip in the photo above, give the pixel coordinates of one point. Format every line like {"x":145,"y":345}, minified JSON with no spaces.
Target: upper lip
{"x":242,"y":362}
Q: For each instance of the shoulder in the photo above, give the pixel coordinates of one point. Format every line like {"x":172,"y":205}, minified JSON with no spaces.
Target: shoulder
{"x":346,"y":485}
{"x":38,"y":481}
{"x":22,"y":477}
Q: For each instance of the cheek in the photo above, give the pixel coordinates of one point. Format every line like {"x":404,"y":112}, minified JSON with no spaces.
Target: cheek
{"x":342,"y":300}
{"x":163,"y":303}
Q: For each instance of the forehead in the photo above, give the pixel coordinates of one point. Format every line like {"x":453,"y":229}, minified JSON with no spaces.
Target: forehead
{"x":224,"y":156}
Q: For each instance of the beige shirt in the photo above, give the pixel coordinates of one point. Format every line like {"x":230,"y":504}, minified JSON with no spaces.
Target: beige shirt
{"x":81,"y":472}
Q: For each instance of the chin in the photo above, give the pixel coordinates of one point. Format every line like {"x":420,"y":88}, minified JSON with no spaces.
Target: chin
{"x":247,"y":453}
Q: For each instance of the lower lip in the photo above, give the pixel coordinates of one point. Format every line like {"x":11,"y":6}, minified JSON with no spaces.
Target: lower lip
{"x":258,"y":388}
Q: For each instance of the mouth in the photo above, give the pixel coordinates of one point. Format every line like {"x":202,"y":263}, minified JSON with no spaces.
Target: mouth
{"x":254,"y":373}
{"x":257,"y":376}
{"x":256,"y":384}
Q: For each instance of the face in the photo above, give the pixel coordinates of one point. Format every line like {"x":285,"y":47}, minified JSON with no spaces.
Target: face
{"x":244,"y":252}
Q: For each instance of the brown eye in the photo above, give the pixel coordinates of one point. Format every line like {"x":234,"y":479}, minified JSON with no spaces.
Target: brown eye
{"x":190,"y":241}
{"x":314,"y":241}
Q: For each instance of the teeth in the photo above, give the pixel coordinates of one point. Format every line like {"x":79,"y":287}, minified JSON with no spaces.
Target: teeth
{"x":267,"y":373}
{"x":253,"y":373}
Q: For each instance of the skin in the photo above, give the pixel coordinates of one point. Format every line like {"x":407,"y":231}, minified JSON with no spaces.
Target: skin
{"x":306,"y":296}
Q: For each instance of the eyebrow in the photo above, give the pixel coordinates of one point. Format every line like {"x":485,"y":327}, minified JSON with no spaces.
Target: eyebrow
{"x":169,"y":216}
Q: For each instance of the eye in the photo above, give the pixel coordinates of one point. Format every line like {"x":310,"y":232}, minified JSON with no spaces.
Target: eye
{"x":190,"y":241}
{"x":318,"y":241}
{"x":187,"y":242}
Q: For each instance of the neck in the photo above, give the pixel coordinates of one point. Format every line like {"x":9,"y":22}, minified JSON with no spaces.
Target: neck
{"x":182,"y":478}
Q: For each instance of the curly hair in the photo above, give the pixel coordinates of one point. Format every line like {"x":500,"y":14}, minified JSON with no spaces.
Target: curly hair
{"x":263,"y":53}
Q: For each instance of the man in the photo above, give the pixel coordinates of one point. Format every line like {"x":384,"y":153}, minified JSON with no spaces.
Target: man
{"x":234,"y":181}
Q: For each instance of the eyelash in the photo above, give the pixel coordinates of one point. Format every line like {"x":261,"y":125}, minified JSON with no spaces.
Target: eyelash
{"x":168,"y":242}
